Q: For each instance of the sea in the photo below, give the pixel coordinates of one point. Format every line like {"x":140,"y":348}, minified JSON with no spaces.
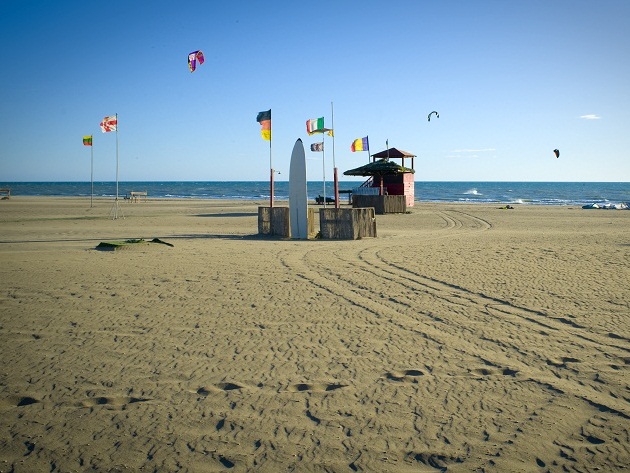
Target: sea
{"x":529,"y":193}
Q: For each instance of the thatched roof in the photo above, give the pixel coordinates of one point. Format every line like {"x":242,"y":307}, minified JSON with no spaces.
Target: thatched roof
{"x":382,"y":167}
{"x":393,"y":153}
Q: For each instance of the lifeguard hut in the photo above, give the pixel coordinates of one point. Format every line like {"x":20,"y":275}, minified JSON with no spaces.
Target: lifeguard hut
{"x":386,"y":179}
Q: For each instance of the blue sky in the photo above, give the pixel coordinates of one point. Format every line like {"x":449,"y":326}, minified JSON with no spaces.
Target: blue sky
{"x":511,"y":80}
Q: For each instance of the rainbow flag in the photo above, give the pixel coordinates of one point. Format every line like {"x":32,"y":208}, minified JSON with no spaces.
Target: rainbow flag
{"x":87,"y":140}
{"x":264,"y":118}
{"x":360,"y":144}
{"x":315,"y":125}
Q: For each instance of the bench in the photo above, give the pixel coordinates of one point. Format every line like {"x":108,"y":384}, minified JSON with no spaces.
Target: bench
{"x":320,"y":200}
{"x":331,"y":200}
{"x":133,"y":196}
{"x":6,"y":193}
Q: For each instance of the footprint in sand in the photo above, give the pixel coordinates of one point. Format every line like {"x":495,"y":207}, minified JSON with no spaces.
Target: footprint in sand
{"x":112,"y":402}
{"x":315,"y":387}
{"x":562,"y":362}
{"x":404,"y":375}
{"x":17,"y":401}
{"x":229,"y":386}
{"x":221,"y":387}
{"x":435,"y":461}
{"x":485,"y":371}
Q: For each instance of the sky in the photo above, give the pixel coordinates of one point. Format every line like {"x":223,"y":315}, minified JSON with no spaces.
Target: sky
{"x":511,"y":81}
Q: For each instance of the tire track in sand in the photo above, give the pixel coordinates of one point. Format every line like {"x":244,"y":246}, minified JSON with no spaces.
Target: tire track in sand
{"x":494,"y":326}
{"x":553,"y":356}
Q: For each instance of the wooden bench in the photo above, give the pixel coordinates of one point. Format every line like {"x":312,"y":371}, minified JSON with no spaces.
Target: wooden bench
{"x":133,"y":195}
{"x":6,"y":193}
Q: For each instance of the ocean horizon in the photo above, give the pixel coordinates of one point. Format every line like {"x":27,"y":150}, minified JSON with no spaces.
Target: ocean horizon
{"x":531,"y":193}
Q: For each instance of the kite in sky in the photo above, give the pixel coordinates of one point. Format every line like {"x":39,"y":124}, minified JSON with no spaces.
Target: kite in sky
{"x":193,"y":58}
{"x":556,"y":152}
{"x":436,"y":114}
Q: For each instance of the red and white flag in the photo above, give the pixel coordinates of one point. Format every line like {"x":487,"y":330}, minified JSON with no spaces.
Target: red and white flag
{"x":109,"y":124}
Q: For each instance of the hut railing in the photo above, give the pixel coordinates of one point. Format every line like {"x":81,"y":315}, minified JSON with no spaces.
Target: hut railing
{"x":368,"y":182}
{"x":367,"y":188}
{"x":366,"y":191}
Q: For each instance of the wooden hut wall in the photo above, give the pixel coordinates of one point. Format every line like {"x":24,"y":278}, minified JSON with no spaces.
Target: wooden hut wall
{"x":409,"y":189}
{"x":347,"y":224}
{"x":398,"y":184}
{"x":274,"y":221}
{"x":382,"y":204}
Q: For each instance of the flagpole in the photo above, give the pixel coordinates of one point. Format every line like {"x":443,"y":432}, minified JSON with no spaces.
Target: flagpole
{"x":271,"y":189}
{"x":332,"y":124}
{"x":324,"y":166}
{"x":92,"y":170}
{"x":116,"y":157}
{"x":116,"y":206}
{"x":116,"y":211}
{"x":335,"y":175}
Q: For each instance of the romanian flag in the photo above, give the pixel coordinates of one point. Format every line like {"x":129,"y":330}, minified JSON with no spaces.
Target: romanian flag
{"x":360,"y":144}
{"x":109,"y":124}
{"x":315,"y":125}
{"x":87,"y":140}
{"x":264,"y":118}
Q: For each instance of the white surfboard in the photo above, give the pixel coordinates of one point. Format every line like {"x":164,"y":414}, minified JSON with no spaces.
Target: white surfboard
{"x":298,"y":200}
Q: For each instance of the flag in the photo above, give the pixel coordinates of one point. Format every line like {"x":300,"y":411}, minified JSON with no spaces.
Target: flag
{"x":315,"y":125}
{"x":264,"y":118}
{"x":109,"y":124}
{"x":87,"y":140}
{"x":317,"y":146}
{"x":331,"y":132}
{"x":360,"y":144}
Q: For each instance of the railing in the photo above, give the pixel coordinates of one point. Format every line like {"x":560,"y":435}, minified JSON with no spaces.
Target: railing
{"x":366,"y":188}
{"x":368,"y":182}
{"x":366,"y":191}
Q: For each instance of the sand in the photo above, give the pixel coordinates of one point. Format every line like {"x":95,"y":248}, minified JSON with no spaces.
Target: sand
{"x":463,"y":338}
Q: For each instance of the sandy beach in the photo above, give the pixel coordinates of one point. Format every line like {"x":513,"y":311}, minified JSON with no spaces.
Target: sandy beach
{"x":464,"y":338}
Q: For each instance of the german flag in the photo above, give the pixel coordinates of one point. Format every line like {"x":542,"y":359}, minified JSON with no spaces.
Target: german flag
{"x":264,"y":118}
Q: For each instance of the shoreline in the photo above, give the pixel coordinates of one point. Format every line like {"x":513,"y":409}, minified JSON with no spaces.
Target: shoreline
{"x":542,"y":193}
{"x":465,"y":336}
